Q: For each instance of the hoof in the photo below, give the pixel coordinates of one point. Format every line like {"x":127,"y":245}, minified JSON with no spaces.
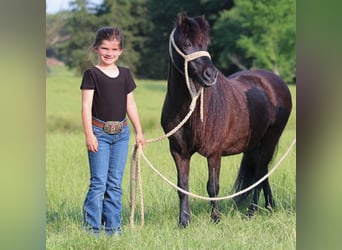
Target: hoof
{"x":184,"y":219}
{"x":269,"y":208}
{"x":252,"y":210}
{"x":215,"y":216}
{"x":183,"y":224}
{"x":215,"y":219}
{"x":270,"y":205}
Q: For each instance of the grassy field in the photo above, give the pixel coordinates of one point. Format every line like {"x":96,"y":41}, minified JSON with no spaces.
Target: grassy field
{"x":67,"y":180}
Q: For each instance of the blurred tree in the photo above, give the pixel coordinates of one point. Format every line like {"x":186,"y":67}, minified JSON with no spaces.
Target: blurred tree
{"x":258,"y":34}
{"x":55,"y":32}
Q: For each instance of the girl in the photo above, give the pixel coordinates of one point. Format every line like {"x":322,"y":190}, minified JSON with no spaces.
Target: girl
{"x":107,"y":95}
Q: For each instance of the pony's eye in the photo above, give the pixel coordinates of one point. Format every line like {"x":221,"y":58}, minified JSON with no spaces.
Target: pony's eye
{"x":187,"y":44}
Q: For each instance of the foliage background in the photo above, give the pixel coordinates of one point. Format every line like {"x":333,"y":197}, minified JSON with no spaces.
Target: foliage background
{"x":245,"y":34}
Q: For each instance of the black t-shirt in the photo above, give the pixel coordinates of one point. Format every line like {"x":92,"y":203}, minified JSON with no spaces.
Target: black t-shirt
{"x":110,"y":95}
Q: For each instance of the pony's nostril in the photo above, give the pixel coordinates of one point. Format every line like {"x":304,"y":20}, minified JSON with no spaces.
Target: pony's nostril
{"x":208,"y":73}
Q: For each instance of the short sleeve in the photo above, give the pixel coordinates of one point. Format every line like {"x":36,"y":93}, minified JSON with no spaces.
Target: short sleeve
{"x":88,"y":80}
{"x":130,"y":82}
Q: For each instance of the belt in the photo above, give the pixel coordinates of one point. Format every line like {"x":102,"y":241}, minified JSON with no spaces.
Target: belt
{"x":110,"y":127}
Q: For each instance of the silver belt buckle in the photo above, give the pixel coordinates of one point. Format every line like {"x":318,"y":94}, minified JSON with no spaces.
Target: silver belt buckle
{"x":112,"y":127}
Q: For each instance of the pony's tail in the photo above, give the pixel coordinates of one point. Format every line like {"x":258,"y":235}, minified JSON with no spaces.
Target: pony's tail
{"x":247,"y":177}
{"x":244,"y":179}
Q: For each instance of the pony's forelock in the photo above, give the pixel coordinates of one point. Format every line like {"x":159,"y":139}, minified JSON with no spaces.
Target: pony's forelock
{"x":194,"y":26}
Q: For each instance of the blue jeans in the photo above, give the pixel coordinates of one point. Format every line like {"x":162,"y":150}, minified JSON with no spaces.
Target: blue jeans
{"x":102,"y":206}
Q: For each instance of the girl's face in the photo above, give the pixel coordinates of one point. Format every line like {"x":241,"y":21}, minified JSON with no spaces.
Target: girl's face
{"x":108,"y":52}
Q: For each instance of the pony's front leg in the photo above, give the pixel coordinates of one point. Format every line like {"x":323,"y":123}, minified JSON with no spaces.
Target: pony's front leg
{"x":183,"y":168}
{"x":213,"y":185}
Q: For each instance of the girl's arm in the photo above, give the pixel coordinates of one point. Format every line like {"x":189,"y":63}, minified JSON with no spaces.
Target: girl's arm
{"x":133,"y":115}
{"x":87,"y":101}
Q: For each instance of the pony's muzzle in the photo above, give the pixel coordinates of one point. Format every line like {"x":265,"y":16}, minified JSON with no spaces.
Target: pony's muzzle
{"x":209,"y":76}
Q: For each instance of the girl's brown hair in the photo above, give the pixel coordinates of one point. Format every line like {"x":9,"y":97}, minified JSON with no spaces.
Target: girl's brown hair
{"x":108,"y":33}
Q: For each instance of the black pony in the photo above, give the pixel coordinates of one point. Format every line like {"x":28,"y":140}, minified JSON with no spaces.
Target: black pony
{"x":244,"y":113}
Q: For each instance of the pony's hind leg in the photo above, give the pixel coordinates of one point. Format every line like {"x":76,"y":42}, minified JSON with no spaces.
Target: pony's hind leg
{"x":265,"y":185}
{"x":253,"y":167}
{"x":264,"y":154}
{"x":213,"y":185}
{"x":269,"y":202}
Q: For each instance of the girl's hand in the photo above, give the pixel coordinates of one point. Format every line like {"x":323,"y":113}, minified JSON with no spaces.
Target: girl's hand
{"x":139,"y":139}
{"x":92,"y":143}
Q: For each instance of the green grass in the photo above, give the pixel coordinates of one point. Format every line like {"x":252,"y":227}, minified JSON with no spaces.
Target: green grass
{"x":67,"y":179}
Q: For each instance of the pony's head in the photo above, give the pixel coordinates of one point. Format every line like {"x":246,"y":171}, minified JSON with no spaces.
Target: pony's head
{"x":189,"y":42}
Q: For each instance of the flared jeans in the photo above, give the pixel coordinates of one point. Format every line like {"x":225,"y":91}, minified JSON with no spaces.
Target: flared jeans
{"x":102,"y":206}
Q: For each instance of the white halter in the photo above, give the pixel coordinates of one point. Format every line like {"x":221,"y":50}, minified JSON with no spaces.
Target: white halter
{"x":187,"y":58}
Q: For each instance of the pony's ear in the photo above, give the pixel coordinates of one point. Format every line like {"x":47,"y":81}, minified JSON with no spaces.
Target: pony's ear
{"x":184,"y":23}
{"x":181,"y":18}
{"x":202,"y":22}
